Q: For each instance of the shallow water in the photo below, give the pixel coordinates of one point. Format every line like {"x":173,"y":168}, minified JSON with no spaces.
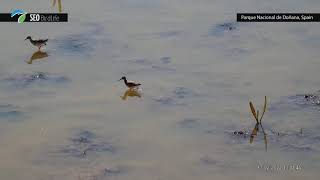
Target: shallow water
{"x":65,"y":115}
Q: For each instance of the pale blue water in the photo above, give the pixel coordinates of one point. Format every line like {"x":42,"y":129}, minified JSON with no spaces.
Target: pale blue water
{"x":65,"y":116}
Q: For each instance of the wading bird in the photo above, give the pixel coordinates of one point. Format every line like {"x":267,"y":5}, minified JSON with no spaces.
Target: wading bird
{"x":39,"y":43}
{"x":129,"y":84}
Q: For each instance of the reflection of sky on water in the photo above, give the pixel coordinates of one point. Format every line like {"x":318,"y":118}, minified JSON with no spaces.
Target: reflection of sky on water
{"x":198,"y":68}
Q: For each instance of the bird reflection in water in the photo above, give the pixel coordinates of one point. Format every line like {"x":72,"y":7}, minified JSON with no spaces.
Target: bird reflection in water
{"x":37,"y":55}
{"x":59,"y":5}
{"x":131,"y":93}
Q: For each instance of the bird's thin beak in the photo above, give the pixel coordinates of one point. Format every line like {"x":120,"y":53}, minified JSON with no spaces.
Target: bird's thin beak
{"x":119,"y":79}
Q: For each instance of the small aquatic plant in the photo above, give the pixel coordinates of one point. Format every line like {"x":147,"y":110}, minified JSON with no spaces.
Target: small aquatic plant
{"x":256,"y":113}
{"x":258,"y":122}
{"x":59,"y":5}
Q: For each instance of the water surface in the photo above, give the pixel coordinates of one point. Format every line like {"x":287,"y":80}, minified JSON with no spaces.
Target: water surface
{"x":64,"y":115}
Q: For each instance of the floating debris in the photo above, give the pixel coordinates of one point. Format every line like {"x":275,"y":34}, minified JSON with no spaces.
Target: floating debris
{"x":296,"y":105}
{"x":298,"y":102}
{"x":313,"y":99}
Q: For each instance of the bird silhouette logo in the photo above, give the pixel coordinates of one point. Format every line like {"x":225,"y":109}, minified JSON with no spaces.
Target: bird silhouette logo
{"x":22,"y":15}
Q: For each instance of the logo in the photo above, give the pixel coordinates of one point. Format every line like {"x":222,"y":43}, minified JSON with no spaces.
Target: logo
{"x":20,"y":12}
